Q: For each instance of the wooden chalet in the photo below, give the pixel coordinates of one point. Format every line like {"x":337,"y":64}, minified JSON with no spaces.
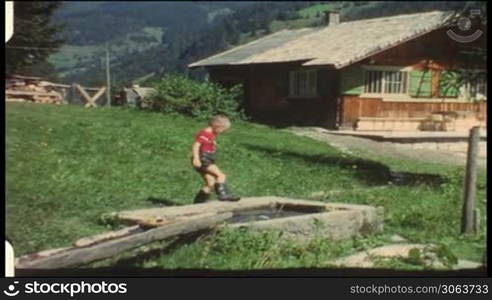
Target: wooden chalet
{"x":390,"y":73}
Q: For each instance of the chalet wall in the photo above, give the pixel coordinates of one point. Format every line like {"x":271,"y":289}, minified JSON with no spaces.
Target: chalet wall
{"x":354,"y":107}
{"x":267,"y":94}
{"x":266,"y":86}
{"x":434,"y":50}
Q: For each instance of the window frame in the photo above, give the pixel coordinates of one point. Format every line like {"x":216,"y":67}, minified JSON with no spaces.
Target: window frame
{"x":314,"y":91}
{"x":406,"y":94}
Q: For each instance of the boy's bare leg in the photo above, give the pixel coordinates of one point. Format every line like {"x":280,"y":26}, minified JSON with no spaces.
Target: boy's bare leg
{"x":209,"y":183}
{"x":204,"y":193}
{"x":217,"y":173}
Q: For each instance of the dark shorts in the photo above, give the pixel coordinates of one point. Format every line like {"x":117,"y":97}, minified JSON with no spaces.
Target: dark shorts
{"x":206,"y":159}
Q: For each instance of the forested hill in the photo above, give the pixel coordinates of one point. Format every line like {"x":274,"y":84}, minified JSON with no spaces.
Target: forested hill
{"x":148,"y":38}
{"x":92,"y":23}
{"x":151,"y":38}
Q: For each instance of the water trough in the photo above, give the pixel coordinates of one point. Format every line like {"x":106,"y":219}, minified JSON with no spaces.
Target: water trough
{"x":296,"y":218}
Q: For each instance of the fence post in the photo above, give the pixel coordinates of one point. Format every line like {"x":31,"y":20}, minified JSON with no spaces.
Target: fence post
{"x":470,"y":216}
{"x":108,"y":79}
{"x":73,"y":90}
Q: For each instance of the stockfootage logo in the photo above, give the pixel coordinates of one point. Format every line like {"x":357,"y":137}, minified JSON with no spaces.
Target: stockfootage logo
{"x":11,"y":290}
{"x":464,"y":23}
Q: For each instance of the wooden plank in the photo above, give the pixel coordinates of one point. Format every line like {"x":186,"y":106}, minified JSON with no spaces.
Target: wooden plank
{"x":156,"y":222}
{"x":98,"y":94}
{"x":24,"y":77}
{"x":98,"y":238}
{"x":91,"y":101}
{"x":81,"y":256}
{"x":40,"y":254}
{"x":84,"y":94}
{"x":91,"y":89}
{"x":59,"y":85}
{"x":27,"y":93}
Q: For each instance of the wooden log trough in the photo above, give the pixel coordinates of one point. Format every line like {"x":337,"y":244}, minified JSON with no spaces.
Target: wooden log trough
{"x":107,"y":245}
{"x":298,"y":219}
{"x":294,"y":217}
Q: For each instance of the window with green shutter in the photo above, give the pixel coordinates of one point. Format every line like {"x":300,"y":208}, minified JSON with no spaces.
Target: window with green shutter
{"x":449,"y":84}
{"x":420,"y":83}
{"x":352,"y":80}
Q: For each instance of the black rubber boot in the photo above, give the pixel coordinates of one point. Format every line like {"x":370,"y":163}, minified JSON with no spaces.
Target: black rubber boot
{"x":224,"y":194}
{"x":201,"y":197}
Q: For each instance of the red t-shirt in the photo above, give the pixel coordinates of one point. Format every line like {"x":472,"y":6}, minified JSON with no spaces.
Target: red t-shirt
{"x":207,"y":141}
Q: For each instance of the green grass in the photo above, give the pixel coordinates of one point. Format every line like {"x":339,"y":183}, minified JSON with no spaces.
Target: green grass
{"x":67,"y":167}
{"x":312,"y":11}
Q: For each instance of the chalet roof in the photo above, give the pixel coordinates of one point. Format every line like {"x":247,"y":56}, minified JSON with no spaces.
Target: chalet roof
{"x":243,"y":52}
{"x":338,"y":45}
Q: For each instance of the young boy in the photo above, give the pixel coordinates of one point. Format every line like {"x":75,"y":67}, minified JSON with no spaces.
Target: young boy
{"x":203,"y":160}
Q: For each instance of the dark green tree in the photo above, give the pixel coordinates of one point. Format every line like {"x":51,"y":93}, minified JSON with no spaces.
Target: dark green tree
{"x":34,"y":36}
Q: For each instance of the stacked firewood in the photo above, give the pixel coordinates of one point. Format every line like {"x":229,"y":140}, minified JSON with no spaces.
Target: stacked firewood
{"x":32,"y":89}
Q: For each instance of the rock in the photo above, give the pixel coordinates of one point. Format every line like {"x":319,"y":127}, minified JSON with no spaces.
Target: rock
{"x":358,"y":260}
{"x":365,"y":259}
{"x":462,"y":264}
{"x":398,"y":250}
{"x":397,"y":239}
{"x":466,"y":264}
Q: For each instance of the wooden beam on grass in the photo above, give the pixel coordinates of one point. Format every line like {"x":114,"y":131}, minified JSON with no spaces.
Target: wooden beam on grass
{"x":98,"y":238}
{"x":81,"y":256}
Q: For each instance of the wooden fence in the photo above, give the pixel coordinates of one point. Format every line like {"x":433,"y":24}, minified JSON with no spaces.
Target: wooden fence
{"x":35,"y":89}
{"x":77,"y":94}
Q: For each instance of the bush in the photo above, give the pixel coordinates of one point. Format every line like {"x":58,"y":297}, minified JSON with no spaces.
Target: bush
{"x":181,"y":95}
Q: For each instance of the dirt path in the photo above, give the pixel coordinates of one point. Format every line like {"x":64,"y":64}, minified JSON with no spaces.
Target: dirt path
{"x":371,"y":149}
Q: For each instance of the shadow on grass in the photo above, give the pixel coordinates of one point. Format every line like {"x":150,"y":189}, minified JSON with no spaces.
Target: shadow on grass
{"x":162,"y":201}
{"x":369,"y":172}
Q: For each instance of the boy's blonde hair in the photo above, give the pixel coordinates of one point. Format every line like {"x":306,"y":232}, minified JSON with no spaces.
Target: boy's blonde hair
{"x":220,"y":120}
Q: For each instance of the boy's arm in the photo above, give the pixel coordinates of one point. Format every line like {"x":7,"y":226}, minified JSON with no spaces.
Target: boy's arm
{"x":196,"y":152}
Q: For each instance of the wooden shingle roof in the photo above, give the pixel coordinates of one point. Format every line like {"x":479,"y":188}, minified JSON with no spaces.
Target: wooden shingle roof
{"x":338,"y":45}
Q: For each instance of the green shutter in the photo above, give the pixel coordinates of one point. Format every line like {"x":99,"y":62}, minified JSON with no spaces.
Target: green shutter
{"x":352,"y":80}
{"x":449,"y":82}
{"x":420,"y":83}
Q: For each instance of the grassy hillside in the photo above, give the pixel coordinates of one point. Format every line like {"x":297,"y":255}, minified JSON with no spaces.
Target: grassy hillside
{"x":67,"y":167}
